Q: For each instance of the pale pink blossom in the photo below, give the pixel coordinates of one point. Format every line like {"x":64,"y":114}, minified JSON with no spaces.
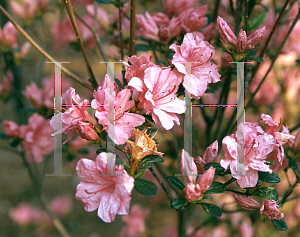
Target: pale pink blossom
{"x":86,"y":131}
{"x":210,"y":155}
{"x":248,"y":203}
{"x":270,"y":209}
{"x":25,"y":214}
{"x":61,"y":206}
{"x":241,"y":43}
{"x":171,"y":30}
{"x":193,"y":19}
{"x":37,"y":140}
{"x":135,"y":222}
{"x":8,"y":36}
{"x":246,"y":228}
{"x":203,"y":71}
{"x":175,"y":7}
{"x":24,"y":50}
{"x":102,"y":16}
{"x":76,"y":112}
{"x":64,"y":33}
{"x":147,"y":27}
{"x":281,"y":138}
{"x":125,"y":122}
{"x":158,"y":95}
{"x":258,"y":145}
{"x":26,"y":10}
{"x":6,"y":85}
{"x":110,"y":194}
{"x":11,"y":129}
{"x":34,"y":94}
{"x":194,"y":190}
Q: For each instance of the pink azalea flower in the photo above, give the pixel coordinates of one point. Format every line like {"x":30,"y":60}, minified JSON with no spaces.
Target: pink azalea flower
{"x":135,"y":222}
{"x":8,"y":36}
{"x":193,"y":19}
{"x":37,"y":140}
{"x":11,"y":129}
{"x":61,"y":206}
{"x":28,"y":9}
{"x":210,"y":155}
{"x":248,"y":203}
{"x":158,"y":95}
{"x":194,"y":189}
{"x":203,"y":72}
{"x":258,"y":145}
{"x":6,"y":85}
{"x":125,"y":122}
{"x":147,"y":27}
{"x":110,"y":194}
{"x":75,"y":118}
{"x":270,"y":209}
{"x":241,"y":43}
{"x":281,"y":138}
{"x":175,"y":7}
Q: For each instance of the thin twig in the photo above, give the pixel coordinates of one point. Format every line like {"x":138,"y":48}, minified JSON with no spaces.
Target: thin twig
{"x":120,"y":31}
{"x":99,"y":44}
{"x":161,"y":184}
{"x":41,"y":50}
{"x":132,"y":27}
{"x":87,"y":63}
{"x":262,"y":53}
{"x":238,"y":16}
{"x":215,"y":15}
{"x":234,"y":191}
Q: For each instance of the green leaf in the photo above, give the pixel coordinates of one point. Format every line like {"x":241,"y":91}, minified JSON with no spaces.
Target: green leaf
{"x":218,"y":167}
{"x":104,"y":1}
{"x":216,"y":187}
{"x":120,"y":161}
{"x":140,"y":174}
{"x":2,"y":135}
{"x":275,"y":195}
{"x":100,"y":150}
{"x":119,"y":84}
{"x":251,"y":52}
{"x":147,"y":160}
{"x":280,"y":224}
{"x":178,"y":203}
{"x":293,"y":163}
{"x":128,"y":157}
{"x":255,"y":58}
{"x":268,"y":178}
{"x":84,"y":151}
{"x":209,"y":91}
{"x":142,"y":47}
{"x":161,"y":61}
{"x":257,"y":21}
{"x":211,"y":209}
{"x":263,"y":194}
{"x":207,"y":197}
{"x":175,"y":182}
{"x":145,"y":187}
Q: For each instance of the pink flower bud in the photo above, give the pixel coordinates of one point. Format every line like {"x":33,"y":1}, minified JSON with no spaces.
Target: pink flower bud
{"x":226,"y":33}
{"x":8,"y":36}
{"x":11,"y":129}
{"x":147,"y":27}
{"x":175,"y":7}
{"x":255,"y":37}
{"x":34,"y":94}
{"x":206,"y":179}
{"x":211,"y":152}
{"x":86,"y":131}
{"x":242,"y":41}
{"x":247,"y":203}
{"x":193,"y":19}
{"x":18,"y":9}
{"x":192,"y":192}
{"x":270,"y":209}
{"x":24,"y":50}
{"x":297,"y":141}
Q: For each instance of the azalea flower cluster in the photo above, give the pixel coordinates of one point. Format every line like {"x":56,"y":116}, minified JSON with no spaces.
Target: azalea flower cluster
{"x":263,"y":150}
